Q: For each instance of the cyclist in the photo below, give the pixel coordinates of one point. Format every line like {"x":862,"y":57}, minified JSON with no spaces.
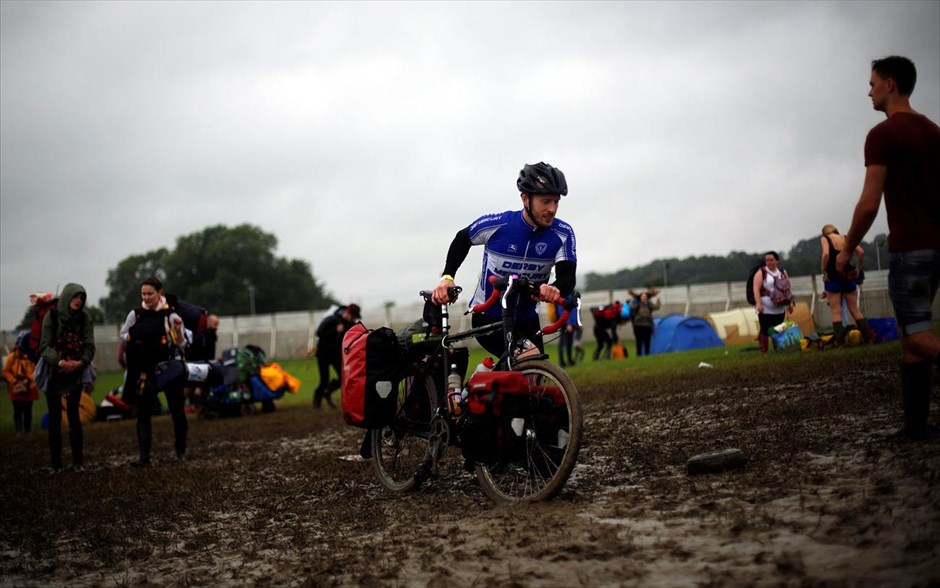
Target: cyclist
{"x":528,"y":243}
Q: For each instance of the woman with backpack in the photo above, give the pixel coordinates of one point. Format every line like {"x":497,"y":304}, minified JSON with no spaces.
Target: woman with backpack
{"x":839,"y":285}
{"x":770,"y":310}
{"x":149,"y":335}
{"x":67,"y":347}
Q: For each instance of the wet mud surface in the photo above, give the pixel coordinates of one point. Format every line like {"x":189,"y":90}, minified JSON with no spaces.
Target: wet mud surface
{"x":281,"y":499}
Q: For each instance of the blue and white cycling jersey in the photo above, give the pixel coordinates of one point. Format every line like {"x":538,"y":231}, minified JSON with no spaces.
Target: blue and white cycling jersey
{"x":512,"y":246}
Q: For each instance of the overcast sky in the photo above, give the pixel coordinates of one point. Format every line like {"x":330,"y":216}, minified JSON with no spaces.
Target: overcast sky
{"x":364,"y":135}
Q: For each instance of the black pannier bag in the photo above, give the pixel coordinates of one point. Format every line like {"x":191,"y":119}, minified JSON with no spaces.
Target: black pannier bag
{"x":424,"y":334}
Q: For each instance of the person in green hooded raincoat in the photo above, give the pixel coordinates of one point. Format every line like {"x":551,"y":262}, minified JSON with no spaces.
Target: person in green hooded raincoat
{"x":68,"y":348}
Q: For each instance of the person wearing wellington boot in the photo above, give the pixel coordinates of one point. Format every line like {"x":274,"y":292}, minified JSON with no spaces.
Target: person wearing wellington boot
{"x":902,"y":159}
{"x":841,"y":285}
{"x":67,"y":345}
{"x":151,"y":334}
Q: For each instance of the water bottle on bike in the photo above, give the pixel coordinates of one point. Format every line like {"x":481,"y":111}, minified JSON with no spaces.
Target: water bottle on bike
{"x":485,"y":366}
{"x":454,"y":392}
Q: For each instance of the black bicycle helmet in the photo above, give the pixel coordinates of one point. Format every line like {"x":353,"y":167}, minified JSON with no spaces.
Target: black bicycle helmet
{"x":541,"y":178}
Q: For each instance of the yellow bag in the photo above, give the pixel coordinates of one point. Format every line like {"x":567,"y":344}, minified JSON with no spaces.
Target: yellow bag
{"x":86,"y":410}
{"x":276,"y":378}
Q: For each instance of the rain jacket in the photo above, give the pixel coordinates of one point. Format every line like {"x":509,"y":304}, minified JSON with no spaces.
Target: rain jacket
{"x":75,"y":326}
{"x":18,"y":371}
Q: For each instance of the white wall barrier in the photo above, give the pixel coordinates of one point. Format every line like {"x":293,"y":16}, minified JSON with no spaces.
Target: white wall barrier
{"x":291,"y":334}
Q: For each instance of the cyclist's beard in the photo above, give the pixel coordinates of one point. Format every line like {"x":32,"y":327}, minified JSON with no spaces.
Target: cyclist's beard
{"x":534,"y":221}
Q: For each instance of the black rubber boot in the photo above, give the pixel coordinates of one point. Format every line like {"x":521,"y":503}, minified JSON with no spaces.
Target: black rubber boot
{"x":329,"y":400}
{"x":179,"y":442}
{"x":144,"y":438}
{"x":365,"y":450}
{"x":838,"y":331}
{"x":915,"y":399}
{"x":317,"y":399}
{"x":863,"y":327}
{"x":77,"y":441}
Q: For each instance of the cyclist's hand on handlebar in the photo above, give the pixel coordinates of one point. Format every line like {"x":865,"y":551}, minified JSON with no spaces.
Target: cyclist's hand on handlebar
{"x":548,"y":293}
{"x":441,"y":294}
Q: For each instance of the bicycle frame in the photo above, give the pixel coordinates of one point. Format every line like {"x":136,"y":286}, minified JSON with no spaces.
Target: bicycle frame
{"x":402,"y":464}
{"x":503,"y":290}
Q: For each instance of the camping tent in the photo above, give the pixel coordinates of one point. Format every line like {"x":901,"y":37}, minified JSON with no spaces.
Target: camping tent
{"x":739,"y":325}
{"x":680,"y":333}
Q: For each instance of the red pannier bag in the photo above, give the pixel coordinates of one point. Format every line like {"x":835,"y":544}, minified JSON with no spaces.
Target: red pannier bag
{"x":371,"y":373}
{"x":500,"y":406}
{"x":488,"y":392}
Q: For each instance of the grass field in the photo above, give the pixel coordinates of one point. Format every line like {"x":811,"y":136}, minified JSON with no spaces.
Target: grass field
{"x":589,"y":372}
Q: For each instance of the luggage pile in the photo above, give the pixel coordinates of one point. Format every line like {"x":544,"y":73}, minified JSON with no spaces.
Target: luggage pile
{"x":231,"y":386}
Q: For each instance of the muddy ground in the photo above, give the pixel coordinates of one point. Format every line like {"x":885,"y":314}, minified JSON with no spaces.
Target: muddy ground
{"x":279,"y":499}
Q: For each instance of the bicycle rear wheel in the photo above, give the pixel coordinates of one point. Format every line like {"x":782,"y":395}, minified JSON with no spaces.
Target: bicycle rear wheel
{"x":552,"y":438}
{"x":400,"y":450}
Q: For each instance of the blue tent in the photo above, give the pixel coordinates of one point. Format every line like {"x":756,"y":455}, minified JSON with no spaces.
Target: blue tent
{"x":680,"y":333}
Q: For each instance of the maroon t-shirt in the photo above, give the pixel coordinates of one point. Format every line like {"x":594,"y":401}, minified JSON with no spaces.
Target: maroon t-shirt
{"x":909,"y":146}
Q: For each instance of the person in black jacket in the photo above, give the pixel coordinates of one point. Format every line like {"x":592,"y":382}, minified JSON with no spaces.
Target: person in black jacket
{"x":149,"y":336}
{"x":329,"y":351}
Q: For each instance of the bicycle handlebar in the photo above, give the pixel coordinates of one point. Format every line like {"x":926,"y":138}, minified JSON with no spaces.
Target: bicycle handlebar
{"x":499,"y":285}
{"x":452,"y":293}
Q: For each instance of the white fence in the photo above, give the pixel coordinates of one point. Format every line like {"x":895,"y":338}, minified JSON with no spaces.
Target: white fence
{"x":291,"y":334}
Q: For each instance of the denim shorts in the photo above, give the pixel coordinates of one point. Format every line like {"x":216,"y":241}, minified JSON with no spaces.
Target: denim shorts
{"x":912,"y":286}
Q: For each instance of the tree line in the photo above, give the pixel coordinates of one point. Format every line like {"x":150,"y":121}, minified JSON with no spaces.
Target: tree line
{"x":230,"y":271}
{"x":801,"y":260}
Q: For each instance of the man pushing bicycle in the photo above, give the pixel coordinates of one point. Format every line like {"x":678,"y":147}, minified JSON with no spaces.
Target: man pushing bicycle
{"x":528,"y":243}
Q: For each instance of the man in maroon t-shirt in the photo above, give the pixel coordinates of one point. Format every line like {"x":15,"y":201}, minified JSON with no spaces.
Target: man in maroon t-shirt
{"x":902,"y":159}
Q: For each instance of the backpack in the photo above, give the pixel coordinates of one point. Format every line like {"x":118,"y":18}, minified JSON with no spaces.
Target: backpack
{"x":28,"y":341}
{"x":604,"y":313}
{"x":239,"y":364}
{"x":749,"y":284}
{"x":371,"y":374}
{"x":780,"y":294}
{"x":195,"y":317}
{"x":147,"y":341}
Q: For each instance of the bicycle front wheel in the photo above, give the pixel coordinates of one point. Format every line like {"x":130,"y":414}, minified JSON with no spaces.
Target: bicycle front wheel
{"x":552,"y":438}
{"x":400,"y":450}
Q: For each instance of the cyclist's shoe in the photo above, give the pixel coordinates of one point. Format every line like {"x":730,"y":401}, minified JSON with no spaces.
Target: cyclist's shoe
{"x":365,"y":450}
